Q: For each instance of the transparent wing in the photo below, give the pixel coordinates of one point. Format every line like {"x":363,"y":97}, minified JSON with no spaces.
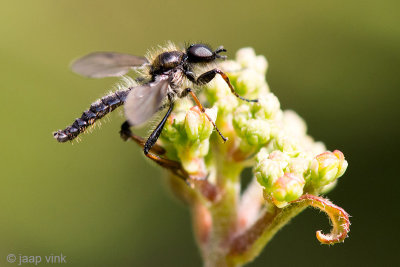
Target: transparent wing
{"x":145,"y":100}
{"x":106,"y":64}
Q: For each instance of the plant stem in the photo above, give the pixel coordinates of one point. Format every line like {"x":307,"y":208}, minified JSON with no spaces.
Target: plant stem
{"x":224,"y":215}
{"x":249,"y":245}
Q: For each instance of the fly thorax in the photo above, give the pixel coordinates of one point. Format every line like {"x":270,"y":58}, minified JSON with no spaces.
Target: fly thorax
{"x":177,"y":79}
{"x":166,"y":62}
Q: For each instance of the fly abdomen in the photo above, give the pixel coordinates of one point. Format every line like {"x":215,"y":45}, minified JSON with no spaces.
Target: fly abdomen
{"x":97,"y":110}
{"x":111,"y":101}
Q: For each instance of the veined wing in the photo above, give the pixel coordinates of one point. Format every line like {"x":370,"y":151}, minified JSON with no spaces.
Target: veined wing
{"x":106,"y":64}
{"x":145,"y":100}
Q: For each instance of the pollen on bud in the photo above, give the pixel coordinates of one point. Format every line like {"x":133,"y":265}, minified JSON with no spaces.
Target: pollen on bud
{"x":327,"y":167}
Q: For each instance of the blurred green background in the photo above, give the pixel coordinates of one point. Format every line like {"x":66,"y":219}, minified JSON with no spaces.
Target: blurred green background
{"x":101,"y":203}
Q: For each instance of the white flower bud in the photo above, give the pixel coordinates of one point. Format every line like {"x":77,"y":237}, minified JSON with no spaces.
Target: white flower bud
{"x":246,"y":57}
{"x":268,"y":105}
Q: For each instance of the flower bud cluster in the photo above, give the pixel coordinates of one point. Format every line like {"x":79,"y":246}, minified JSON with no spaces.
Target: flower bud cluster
{"x":255,"y":123}
{"x":288,"y":162}
{"x":283,"y":176}
{"x":186,"y":136}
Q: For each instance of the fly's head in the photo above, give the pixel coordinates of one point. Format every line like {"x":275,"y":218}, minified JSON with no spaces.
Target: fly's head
{"x":201,"y":53}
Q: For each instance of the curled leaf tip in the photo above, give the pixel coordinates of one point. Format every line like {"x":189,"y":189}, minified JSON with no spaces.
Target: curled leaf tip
{"x":339,"y":219}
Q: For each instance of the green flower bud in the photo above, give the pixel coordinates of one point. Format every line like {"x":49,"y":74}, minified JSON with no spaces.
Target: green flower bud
{"x":300,"y":165}
{"x":327,"y":167}
{"x":267,"y":172}
{"x":262,"y":154}
{"x":193,"y":124}
{"x":342,"y":163}
{"x":281,"y":175}
{"x":287,"y":188}
{"x":249,"y":82}
{"x":192,"y":160}
{"x":172,"y":129}
{"x":327,"y":188}
{"x":197,"y":125}
{"x":240,"y":118}
{"x":257,"y":132}
{"x":267,"y":107}
{"x":219,"y":93}
{"x":254,"y":131}
{"x":283,"y":142}
{"x":281,"y":157}
{"x":270,"y":167}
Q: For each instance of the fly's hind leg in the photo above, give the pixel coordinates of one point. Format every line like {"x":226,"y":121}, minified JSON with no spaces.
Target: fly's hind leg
{"x":152,"y":150}
{"x":126,"y":134}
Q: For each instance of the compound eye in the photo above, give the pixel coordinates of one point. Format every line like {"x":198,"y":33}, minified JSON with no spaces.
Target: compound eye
{"x":199,"y":52}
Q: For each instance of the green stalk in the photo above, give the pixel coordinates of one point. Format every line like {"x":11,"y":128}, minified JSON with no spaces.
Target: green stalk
{"x":245,"y":250}
{"x":224,"y":215}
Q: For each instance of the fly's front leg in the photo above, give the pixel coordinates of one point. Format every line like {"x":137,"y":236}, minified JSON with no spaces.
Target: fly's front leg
{"x":209,"y":75}
{"x":157,"y":131}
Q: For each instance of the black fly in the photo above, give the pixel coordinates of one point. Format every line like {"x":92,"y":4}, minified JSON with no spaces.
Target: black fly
{"x":167,"y":72}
